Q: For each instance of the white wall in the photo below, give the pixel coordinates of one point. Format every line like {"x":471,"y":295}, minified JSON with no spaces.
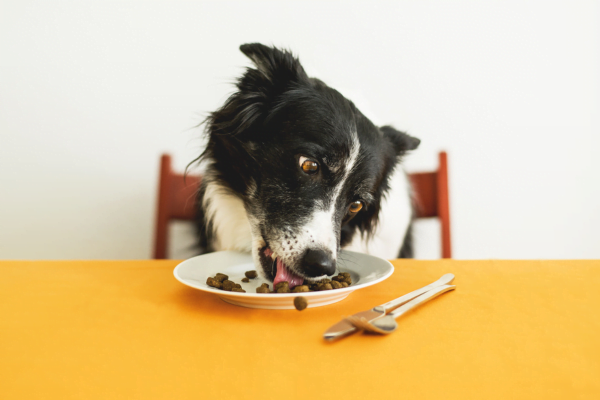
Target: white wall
{"x":92,"y":92}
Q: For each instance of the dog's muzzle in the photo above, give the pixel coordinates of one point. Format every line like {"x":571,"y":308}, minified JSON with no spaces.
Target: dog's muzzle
{"x":317,"y":263}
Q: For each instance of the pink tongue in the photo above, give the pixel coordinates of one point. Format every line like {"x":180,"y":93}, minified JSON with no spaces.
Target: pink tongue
{"x":285,"y":275}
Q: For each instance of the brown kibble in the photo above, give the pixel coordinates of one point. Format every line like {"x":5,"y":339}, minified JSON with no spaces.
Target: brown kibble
{"x":336,"y":285}
{"x":344,"y":277}
{"x":228,"y":285}
{"x":221,"y":281}
{"x":251,"y":274}
{"x":281,"y":284}
{"x":300,"y":303}
{"x":300,"y":289}
{"x":214,"y":283}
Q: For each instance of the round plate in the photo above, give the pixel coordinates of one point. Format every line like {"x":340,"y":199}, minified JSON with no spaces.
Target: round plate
{"x":365,"y":270}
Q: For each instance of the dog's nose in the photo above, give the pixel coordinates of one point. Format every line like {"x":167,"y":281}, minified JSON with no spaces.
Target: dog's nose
{"x":318,"y":263}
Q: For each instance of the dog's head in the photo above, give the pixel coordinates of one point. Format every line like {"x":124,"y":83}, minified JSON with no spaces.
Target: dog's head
{"x":309,"y":167}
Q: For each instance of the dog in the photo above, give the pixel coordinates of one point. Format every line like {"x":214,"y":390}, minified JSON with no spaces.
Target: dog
{"x":294,"y":172}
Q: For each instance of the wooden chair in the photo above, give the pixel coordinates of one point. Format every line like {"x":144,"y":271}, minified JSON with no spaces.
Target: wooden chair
{"x":430,"y":196}
{"x":177,"y":201}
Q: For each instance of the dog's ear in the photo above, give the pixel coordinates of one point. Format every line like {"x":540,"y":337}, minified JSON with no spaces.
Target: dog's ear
{"x":279,"y":68}
{"x":276,"y":71}
{"x":401,"y":141}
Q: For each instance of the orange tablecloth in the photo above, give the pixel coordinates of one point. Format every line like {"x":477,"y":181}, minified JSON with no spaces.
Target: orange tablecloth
{"x":129,"y":330}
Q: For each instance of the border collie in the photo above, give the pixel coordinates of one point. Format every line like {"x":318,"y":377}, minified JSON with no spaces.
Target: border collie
{"x":294,"y":172}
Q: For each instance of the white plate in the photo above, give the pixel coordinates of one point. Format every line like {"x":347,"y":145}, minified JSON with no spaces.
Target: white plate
{"x":365,"y":270}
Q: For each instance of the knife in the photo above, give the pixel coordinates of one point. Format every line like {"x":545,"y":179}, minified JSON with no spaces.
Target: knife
{"x":345,"y":328}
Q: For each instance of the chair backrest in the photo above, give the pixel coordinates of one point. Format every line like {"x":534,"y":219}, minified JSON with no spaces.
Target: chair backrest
{"x":430,"y":196}
{"x":177,"y":201}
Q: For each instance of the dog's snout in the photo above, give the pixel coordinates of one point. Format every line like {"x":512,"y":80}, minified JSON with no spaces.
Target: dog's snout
{"x":318,"y":263}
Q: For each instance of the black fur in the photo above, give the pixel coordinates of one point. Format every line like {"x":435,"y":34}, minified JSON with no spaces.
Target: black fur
{"x":407,"y":250}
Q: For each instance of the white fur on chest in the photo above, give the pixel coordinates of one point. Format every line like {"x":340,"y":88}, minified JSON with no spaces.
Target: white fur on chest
{"x":227,"y":215}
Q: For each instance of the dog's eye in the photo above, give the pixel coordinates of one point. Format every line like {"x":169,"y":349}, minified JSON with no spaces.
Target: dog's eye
{"x":355,"y":207}
{"x":309,"y":166}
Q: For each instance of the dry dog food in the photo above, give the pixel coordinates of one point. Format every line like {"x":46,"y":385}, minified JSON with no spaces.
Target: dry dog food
{"x":214,"y":283}
{"x":300,"y":289}
{"x":300,"y":303}
{"x":251,"y":274}
{"x":229,"y":285}
{"x":282,"y":287}
{"x":343,"y":277}
{"x":342,"y":280}
{"x":221,"y":281}
{"x":264,"y":288}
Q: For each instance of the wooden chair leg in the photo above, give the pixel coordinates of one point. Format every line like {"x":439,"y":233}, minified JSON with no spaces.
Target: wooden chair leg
{"x":162,"y":218}
{"x":444,"y":205}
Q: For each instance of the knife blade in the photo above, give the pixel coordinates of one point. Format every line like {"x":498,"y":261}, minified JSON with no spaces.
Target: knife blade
{"x":345,"y":328}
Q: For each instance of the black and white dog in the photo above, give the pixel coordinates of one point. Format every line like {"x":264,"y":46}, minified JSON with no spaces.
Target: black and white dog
{"x":294,"y":172}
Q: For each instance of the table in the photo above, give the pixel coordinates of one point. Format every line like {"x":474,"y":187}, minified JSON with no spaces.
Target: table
{"x":129,"y":330}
